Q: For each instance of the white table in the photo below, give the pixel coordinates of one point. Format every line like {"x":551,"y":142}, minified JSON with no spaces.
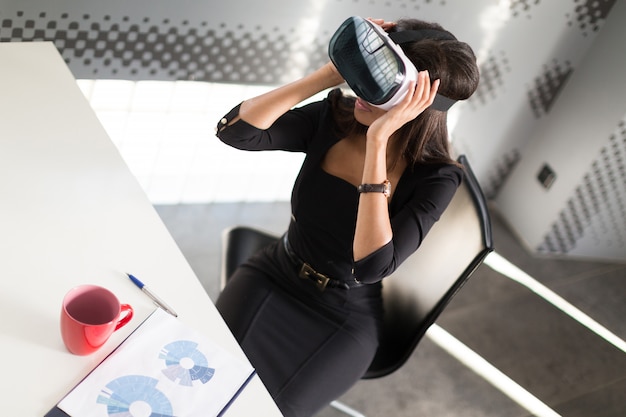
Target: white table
{"x":72,"y":213}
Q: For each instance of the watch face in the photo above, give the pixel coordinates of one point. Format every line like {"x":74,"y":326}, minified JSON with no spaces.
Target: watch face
{"x":386,"y":188}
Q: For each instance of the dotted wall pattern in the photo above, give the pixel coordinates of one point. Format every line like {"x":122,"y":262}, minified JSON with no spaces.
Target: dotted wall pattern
{"x":498,"y":175}
{"x":589,"y":15}
{"x":101,"y":47}
{"x":598,"y":207}
{"x":519,"y":7}
{"x":547,"y":87}
{"x":491,"y":84}
{"x":148,"y":48}
{"x":396,"y":5}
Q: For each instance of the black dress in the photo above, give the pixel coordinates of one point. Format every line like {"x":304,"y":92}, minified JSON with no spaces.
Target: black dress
{"x":310,"y":346}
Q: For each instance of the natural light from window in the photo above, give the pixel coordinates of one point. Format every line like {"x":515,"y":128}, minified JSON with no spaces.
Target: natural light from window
{"x":165,"y":131}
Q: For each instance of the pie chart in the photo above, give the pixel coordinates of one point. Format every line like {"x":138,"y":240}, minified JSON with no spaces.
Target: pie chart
{"x":184,"y":362}
{"x":124,"y":394}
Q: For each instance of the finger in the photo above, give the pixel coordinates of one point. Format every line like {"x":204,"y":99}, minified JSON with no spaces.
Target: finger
{"x":388,"y":25}
{"x":423,"y":85}
{"x":416,"y":90}
{"x":382,"y":23}
{"x":409,"y":95}
{"x":430,"y":90}
{"x":433,"y":91}
{"x":420,"y":93}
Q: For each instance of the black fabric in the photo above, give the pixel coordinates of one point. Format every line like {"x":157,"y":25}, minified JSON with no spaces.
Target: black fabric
{"x":324,"y":207}
{"x":56,"y":412}
{"x":307,"y":272}
{"x":310,"y":346}
{"x":307,"y":346}
{"x":442,"y":103}
{"x":418,"y":35}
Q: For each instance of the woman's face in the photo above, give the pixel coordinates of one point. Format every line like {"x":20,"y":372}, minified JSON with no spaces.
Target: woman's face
{"x":365,"y":113}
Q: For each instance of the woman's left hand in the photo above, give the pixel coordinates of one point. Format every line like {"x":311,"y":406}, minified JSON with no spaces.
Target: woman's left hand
{"x":418,"y":99}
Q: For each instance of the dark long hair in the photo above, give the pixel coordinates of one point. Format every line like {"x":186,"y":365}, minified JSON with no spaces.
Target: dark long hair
{"x":425,"y":139}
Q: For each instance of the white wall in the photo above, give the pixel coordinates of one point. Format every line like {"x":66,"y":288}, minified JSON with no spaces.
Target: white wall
{"x":583,"y":213}
{"x":530,"y":54}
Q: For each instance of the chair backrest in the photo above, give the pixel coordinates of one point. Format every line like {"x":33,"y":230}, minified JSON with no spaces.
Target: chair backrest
{"x":238,"y":244}
{"x":418,"y":291}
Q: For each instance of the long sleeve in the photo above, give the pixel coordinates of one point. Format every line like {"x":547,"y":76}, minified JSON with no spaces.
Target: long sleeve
{"x":293,"y":131}
{"x":324,"y":207}
{"x":414,"y":210}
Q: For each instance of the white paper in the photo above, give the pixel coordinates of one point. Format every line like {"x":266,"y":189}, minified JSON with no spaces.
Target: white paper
{"x":162,"y":369}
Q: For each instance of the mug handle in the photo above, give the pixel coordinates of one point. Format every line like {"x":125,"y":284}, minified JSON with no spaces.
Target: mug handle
{"x":129,"y":315}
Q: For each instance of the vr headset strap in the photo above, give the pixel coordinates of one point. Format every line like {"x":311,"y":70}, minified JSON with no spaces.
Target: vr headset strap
{"x":441,"y":103}
{"x":417,"y":35}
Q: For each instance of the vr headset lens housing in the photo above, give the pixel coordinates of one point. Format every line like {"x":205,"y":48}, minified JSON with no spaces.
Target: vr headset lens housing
{"x":371,"y":63}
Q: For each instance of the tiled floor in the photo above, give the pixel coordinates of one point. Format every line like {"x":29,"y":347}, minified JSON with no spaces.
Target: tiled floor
{"x":575,"y":372}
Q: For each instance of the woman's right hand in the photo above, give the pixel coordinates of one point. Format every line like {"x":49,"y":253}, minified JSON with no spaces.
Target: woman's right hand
{"x":420,"y":96}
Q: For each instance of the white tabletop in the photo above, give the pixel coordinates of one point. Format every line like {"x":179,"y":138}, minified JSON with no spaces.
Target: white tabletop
{"x":72,"y":213}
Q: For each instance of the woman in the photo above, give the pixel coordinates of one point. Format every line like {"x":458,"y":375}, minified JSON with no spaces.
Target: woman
{"x":306,"y":310}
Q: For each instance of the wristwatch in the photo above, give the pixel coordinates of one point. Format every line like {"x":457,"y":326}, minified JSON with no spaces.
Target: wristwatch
{"x":384,"y":188}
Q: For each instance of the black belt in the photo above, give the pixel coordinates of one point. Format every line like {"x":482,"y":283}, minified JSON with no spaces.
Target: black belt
{"x":307,"y":272}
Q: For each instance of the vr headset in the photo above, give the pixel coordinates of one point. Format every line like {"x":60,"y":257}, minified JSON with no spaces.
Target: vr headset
{"x":374,"y":66}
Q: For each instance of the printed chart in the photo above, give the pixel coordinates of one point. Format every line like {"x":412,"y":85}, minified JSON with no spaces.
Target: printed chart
{"x":126,"y":392}
{"x":186,"y":363}
{"x":163,"y":369}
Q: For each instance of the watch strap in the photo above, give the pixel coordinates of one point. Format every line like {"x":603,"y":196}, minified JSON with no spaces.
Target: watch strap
{"x":384,"y":187}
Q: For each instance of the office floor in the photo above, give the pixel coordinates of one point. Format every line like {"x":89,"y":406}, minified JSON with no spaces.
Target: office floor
{"x":560,"y":362}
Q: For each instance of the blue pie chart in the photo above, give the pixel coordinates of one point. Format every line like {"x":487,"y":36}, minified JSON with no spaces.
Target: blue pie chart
{"x":122,"y":392}
{"x":184,"y":362}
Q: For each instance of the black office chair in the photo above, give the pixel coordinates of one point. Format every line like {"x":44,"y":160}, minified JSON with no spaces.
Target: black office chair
{"x":418,"y":291}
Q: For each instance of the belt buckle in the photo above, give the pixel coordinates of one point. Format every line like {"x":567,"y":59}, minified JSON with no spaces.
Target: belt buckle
{"x":309,"y":273}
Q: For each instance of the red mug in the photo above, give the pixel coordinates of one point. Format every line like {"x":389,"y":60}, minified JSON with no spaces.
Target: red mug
{"x":89,"y":316}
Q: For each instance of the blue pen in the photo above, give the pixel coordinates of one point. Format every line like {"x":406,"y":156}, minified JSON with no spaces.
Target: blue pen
{"x":152,"y":295}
